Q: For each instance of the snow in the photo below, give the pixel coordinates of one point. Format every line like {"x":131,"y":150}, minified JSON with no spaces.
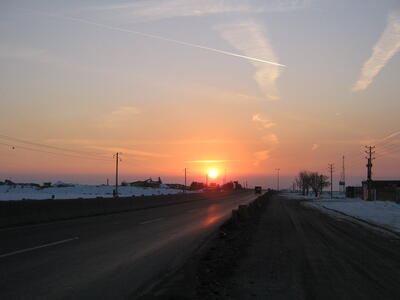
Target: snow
{"x":384,"y":213}
{"x":77,"y":191}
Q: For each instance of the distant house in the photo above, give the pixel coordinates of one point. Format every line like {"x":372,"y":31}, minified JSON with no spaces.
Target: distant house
{"x":382,"y":190}
{"x":62,"y":184}
{"x":146,"y":183}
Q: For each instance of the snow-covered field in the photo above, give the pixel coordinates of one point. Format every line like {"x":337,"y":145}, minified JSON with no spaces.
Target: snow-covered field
{"x":384,"y":213}
{"x":78,"y":191}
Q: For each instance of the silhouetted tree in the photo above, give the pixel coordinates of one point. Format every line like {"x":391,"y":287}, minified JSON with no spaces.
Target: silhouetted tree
{"x":318,"y":182}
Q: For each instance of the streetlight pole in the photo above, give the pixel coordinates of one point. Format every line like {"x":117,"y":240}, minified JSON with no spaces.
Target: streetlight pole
{"x":277,"y":184}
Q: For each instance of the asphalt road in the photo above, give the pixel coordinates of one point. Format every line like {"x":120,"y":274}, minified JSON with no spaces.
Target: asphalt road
{"x":301,"y":253}
{"x":106,"y":257}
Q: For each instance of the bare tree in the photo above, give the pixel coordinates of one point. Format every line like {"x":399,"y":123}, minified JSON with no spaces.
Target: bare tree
{"x":303,"y":182}
{"x":318,"y":182}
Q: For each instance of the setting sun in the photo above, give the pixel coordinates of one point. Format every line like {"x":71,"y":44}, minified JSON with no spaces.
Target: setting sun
{"x":213,"y":173}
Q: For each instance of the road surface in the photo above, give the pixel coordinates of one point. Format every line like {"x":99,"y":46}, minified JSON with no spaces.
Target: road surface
{"x":106,"y":257}
{"x":302,"y":253}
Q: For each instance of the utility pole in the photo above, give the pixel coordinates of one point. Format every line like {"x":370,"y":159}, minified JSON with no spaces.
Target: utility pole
{"x":184,"y":189}
{"x":277,"y":183}
{"x":225,"y":177}
{"x":331,"y":169}
{"x":117,"y":159}
{"x":342,"y":182}
{"x":369,"y":158}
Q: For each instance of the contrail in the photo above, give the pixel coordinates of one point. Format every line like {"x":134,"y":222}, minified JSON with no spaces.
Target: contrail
{"x":165,"y":39}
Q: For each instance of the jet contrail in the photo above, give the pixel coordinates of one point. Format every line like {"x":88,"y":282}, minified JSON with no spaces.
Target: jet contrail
{"x":165,"y":39}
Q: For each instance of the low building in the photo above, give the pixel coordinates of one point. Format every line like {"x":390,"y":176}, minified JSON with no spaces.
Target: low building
{"x":146,"y":183}
{"x":385,"y":190}
{"x":354,"y":192}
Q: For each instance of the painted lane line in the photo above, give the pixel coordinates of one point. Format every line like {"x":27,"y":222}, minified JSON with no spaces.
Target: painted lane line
{"x":39,"y":247}
{"x":151,"y":221}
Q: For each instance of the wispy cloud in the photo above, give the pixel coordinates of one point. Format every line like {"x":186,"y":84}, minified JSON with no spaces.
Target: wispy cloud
{"x":208,"y":161}
{"x":314,"y":147}
{"x":271,"y":139}
{"x":260,"y":156}
{"x":249,"y":37}
{"x":152,"y":10}
{"x":40,"y":56}
{"x":120,"y":116}
{"x":265,"y":123}
{"x":386,"y":47}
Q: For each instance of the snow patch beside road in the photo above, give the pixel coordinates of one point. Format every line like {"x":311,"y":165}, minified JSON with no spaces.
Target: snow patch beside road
{"x":384,"y":213}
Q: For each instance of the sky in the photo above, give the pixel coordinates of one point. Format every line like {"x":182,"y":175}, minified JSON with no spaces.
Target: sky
{"x":244,"y":87}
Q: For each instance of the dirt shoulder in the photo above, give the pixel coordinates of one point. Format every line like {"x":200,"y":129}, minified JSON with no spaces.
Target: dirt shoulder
{"x":288,"y":251}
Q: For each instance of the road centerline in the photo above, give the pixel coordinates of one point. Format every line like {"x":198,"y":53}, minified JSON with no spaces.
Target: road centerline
{"x":39,"y":247}
{"x":151,"y":221}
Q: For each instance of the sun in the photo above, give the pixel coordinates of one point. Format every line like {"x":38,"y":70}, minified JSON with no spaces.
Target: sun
{"x":212,"y":173}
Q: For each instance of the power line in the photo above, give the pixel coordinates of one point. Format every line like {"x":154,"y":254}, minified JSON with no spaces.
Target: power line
{"x":5,"y":137}
{"x":53,"y":153}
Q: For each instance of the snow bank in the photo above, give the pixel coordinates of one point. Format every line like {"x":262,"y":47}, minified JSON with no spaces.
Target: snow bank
{"x":77,"y":191}
{"x":384,"y":213}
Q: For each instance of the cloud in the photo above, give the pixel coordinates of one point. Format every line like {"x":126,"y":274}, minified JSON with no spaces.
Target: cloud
{"x":386,"y":47}
{"x":263,"y":121}
{"x":120,"y":116}
{"x":249,"y":37}
{"x":260,"y":156}
{"x":209,"y":161}
{"x":314,"y":147}
{"x":125,"y":111}
{"x":271,"y":139}
{"x":153,"y":10}
{"x":41,"y":56}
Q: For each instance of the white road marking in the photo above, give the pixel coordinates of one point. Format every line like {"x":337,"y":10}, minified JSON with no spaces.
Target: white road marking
{"x":39,"y":247}
{"x":151,"y":221}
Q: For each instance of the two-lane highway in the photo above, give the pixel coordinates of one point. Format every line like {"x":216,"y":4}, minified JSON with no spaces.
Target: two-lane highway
{"x":106,"y":257}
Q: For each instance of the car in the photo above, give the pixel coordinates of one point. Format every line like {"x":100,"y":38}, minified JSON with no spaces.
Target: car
{"x":257,"y":190}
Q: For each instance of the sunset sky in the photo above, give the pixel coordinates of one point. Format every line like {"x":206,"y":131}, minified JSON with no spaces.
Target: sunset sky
{"x":90,"y":78}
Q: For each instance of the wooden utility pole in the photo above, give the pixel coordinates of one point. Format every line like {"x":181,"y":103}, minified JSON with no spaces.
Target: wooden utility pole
{"x":117,"y":159}
{"x":369,"y":158}
{"x":184,"y":189}
{"x":331,"y":167}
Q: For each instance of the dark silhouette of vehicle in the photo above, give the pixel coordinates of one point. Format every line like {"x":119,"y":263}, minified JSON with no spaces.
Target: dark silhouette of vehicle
{"x":257,"y":190}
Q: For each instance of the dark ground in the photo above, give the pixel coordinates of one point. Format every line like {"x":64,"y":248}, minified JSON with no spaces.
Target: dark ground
{"x":291,"y":252}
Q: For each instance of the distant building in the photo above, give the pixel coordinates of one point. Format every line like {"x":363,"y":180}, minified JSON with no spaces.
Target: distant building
{"x":354,"y":192}
{"x":382,"y":190}
{"x":145,"y":183}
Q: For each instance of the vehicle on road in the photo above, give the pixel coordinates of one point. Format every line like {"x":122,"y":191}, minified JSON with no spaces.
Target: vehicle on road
{"x":257,"y":190}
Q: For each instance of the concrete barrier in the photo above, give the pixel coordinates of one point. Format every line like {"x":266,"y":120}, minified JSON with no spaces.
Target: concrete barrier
{"x":247,"y":211}
{"x":13,"y":213}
